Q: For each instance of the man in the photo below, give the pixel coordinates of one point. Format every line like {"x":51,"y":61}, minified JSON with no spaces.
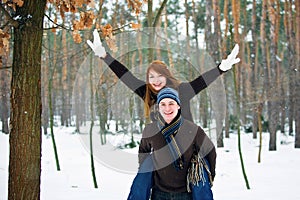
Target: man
{"x":168,"y":146}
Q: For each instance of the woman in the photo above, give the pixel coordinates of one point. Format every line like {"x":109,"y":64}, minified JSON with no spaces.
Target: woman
{"x":158,"y":76}
{"x":172,"y":141}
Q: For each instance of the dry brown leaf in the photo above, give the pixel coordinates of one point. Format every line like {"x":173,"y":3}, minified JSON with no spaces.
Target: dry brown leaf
{"x":62,"y":13}
{"x":78,"y":3}
{"x":19,"y":2}
{"x":13,"y":6}
{"x":92,"y":4}
{"x":107,"y":31}
{"x":135,"y":5}
{"x":73,"y":8}
{"x":136,"y":26}
{"x":88,"y":19}
{"x":111,"y":43}
{"x":4,"y":42}
{"x":76,"y":37}
{"x":78,"y":25}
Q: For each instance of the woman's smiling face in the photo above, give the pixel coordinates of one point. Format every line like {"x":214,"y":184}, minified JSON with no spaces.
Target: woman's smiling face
{"x":156,"y":80}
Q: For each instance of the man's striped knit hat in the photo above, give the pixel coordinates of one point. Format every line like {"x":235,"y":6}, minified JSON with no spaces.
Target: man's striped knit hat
{"x":168,"y":93}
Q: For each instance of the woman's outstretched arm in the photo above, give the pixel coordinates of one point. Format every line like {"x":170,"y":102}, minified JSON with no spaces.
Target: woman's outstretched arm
{"x":136,"y":85}
{"x":204,"y":80}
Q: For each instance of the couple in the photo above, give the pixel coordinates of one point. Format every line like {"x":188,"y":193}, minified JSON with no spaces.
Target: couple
{"x":169,"y":153}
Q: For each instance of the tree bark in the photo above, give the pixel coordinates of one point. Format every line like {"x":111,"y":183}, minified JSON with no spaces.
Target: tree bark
{"x":25,"y":136}
{"x":273,"y":89}
{"x":224,"y":49}
{"x":289,"y":29}
{"x":4,"y":99}
{"x":253,"y":58}
{"x":297,"y":118}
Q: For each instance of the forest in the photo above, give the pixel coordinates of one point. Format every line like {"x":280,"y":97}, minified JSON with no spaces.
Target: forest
{"x":50,"y":77}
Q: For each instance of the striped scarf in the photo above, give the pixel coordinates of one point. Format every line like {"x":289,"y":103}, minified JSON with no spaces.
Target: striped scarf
{"x":169,"y":131}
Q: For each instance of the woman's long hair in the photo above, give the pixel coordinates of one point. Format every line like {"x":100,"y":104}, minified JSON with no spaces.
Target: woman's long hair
{"x":161,"y":68}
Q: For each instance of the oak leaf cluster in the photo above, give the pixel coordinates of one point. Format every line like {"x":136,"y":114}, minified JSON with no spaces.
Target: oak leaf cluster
{"x":86,"y":20}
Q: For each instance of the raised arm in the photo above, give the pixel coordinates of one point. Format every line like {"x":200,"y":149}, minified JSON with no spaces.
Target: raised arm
{"x":136,"y":85}
{"x":208,"y":77}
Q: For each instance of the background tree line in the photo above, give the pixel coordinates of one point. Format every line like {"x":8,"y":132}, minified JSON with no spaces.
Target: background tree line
{"x":43,"y":45}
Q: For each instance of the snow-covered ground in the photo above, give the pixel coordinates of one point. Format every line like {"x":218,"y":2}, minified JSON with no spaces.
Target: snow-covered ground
{"x":277,"y":177}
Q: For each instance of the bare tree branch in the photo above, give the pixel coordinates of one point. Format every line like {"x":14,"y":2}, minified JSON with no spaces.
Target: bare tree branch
{"x":57,"y":25}
{"x":163,"y":5}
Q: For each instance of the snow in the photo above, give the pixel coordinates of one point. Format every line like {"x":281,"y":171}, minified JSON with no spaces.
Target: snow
{"x":276,"y":177}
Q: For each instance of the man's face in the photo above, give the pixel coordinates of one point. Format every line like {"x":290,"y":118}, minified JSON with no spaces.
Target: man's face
{"x":168,"y":108}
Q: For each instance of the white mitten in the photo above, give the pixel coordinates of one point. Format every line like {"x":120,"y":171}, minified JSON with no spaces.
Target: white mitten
{"x":230,"y":60}
{"x":97,"y":45}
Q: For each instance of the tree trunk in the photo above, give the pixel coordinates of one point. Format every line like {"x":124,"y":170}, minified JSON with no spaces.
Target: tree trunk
{"x":25,"y":136}
{"x":289,"y":29}
{"x":224,"y":49}
{"x":253,"y":65}
{"x":236,"y":18}
{"x":4,"y":99}
{"x":297,"y":118}
{"x":45,"y":95}
{"x":91,"y":78}
{"x":203,"y":114}
{"x":64,"y":82}
{"x":218,"y":109}
{"x":213,"y":45}
{"x":273,"y":89}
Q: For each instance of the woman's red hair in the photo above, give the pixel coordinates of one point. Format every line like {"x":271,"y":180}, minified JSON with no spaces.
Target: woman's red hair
{"x":161,"y":68}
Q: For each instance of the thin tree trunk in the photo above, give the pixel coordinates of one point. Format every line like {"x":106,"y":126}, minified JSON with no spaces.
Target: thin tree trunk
{"x":151,"y":34}
{"x":224,"y":49}
{"x":263,"y":43}
{"x":259,"y":116}
{"x":64,"y":81}
{"x":4,"y":99}
{"x":45,"y":111}
{"x":203,"y":95}
{"x":236,"y":17}
{"x":273,"y":89}
{"x":52,"y":67}
{"x":140,"y":103}
{"x":92,"y":123}
{"x":219,"y":110}
{"x":253,"y":64}
{"x":170,"y":58}
{"x":297,"y":118}
{"x":289,"y":29}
